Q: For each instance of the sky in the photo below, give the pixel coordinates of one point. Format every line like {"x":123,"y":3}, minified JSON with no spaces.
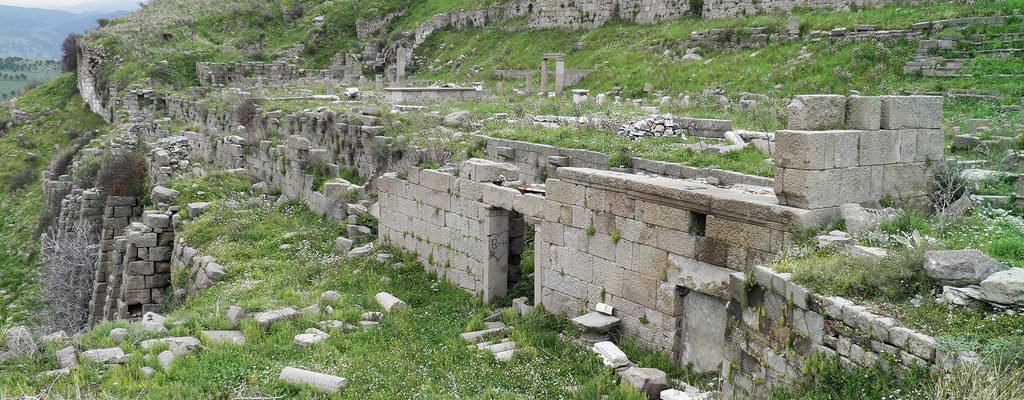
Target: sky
{"x":61,"y":4}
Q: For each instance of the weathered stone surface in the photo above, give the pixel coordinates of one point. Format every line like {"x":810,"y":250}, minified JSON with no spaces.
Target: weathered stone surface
{"x":458,"y":118}
{"x":321,"y":382}
{"x":477,"y":336}
{"x":595,"y":322}
{"x":20,"y":342}
{"x":165,"y":358}
{"x":112,"y":355}
{"x":178,"y":345}
{"x":197,"y":209}
{"x":649,"y":381}
{"x":330,"y":295}
{"x":360,"y":251}
{"x":900,"y":112}
{"x":817,"y":112}
{"x":1004,"y":287}
{"x":863,"y":112}
{"x":310,"y":337}
{"x":389,"y":302}
{"x":611,"y":355}
{"x":233,"y":337}
{"x":960,"y":267}
{"x":118,"y":334}
{"x":67,"y":357}
{"x":154,"y":322}
{"x":266,"y":318}
{"x":342,"y":245}
{"x":482,"y":170}
{"x":147,"y":371}
{"x":165,"y":195}
{"x":235,"y":314}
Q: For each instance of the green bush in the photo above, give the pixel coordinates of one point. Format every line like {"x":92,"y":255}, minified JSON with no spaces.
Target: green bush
{"x":828,"y":379}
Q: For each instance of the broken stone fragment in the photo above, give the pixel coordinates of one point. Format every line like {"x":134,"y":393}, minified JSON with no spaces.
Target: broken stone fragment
{"x":648,"y":381}
{"x":960,"y":267}
{"x":233,"y":337}
{"x":611,"y":355}
{"x":389,"y":302}
{"x":321,"y":382}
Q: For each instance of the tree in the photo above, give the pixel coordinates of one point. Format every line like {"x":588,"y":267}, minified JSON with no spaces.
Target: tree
{"x":69,"y":62}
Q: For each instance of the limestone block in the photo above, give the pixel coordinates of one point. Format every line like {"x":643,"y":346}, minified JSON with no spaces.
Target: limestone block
{"x":817,"y":112}
{"x":389,"y":302}
{"x":321,"y":382}
{"x":296,"y":142}
{"x":901,"y":112}
{"x":235,"y":314}
{"x":67,"y":357}
{"x":930,"y":144}
{"x":743,"y":234}
{"x":806,"y":150}
{"x":112,"y":355}
{"x":266,"y":318}
{"x":156,"y":220}
{"x":162,"y":194}
{"x":482,"y":170}
{"x":611,"y":355}
{"x":879,"y":147}
{"x":649,"y":381}
{"x":821,"y":189}
{"x":864,"y":113}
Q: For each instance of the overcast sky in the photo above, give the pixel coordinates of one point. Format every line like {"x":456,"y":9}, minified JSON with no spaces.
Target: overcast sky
{"x":109,"y":5}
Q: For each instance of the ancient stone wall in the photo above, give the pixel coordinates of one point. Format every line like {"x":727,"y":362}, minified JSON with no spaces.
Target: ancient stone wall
{"x":537,"y":162}
{"x":145,"y":267}
{"x":459,"y":228}
{"x":244,"y":72}
{"x":718,"y":9}
{"x":117,"y":214}
{"x":858,"y":149}
{"x":775,"y":327}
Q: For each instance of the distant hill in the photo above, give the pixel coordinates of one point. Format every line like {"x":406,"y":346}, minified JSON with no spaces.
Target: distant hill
{"x":37,"y":33}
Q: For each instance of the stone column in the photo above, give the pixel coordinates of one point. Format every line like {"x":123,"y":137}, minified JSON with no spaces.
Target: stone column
{"x":500,"y":89}
{"x":378,"y":83}
{"x":400,"y":66}
{"x":495,"y":274}
{"x":1020,"y":179}
{"x":529,"y":84}
{"x":544,"y":75}
{"x":559,"y":74}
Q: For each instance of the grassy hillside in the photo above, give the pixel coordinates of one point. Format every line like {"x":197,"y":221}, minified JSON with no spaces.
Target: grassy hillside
{"x":27,"y":150}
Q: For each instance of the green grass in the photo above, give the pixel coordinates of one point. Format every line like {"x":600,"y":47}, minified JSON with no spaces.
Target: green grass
{"x":27,"y":148}
{"x":414,"y":353}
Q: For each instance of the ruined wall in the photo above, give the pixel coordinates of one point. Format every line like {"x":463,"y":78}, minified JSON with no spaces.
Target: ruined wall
{"x":237,"y":72}
{"x":717,"y":9}
{"x":776,"y":326}
{"x":537,"y":162}
{"x":885,"y":150}
{"x":463,"y":229}
{"x":117,"y":215}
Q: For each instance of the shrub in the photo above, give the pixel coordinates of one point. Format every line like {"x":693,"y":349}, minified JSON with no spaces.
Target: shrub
{"x":22,"y":179}
{"x":69,"y":61}
{"x":243,"y":111}
{"x":122,"y":174}
{"x":85,"y":175}
{"x":69,"y":259}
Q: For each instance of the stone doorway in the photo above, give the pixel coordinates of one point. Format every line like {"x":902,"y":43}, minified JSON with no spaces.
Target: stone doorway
{"x":505,"y":244}
{"x":700,"y":330}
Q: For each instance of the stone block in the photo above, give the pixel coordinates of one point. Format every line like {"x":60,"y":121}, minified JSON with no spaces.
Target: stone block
{"x":389,"y":302}
{"x":930,"y":144}
{"x":817,"y":112}
{"x":822,"y":189}
{"x":805,"y":149}
{"x":902,"y":112}
{"x":863,"y":113}
{"x":879,"y":147}
{"x":321,"y":382}
{"x":740,"y":233}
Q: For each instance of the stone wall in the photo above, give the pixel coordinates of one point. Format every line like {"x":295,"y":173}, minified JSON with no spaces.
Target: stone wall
{"x":775,"y":327}
{"x":236,"y":73}
{"x":717,"y":9}
{"x":537,"y":162}
{"x":109,"y":274}
{"x":659,"y":250}
{"x":885,"y":150}
{"x":463,"y":229}
{"x":145,"y":268}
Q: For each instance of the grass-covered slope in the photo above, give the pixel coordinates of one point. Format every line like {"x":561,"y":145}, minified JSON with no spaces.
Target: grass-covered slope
{"x":414,"y":353}
{"x":26,"y":150}
{"x":798,"y":67}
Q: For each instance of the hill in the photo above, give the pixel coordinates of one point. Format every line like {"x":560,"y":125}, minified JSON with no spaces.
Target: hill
{"x":38,"y":33}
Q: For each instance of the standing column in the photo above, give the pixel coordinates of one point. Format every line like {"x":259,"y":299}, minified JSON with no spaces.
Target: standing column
{"x":559,"y":74}
{"x":544,"y":75}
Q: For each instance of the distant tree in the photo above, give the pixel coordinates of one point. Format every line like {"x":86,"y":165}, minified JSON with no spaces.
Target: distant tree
{"x":69,"y":62}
